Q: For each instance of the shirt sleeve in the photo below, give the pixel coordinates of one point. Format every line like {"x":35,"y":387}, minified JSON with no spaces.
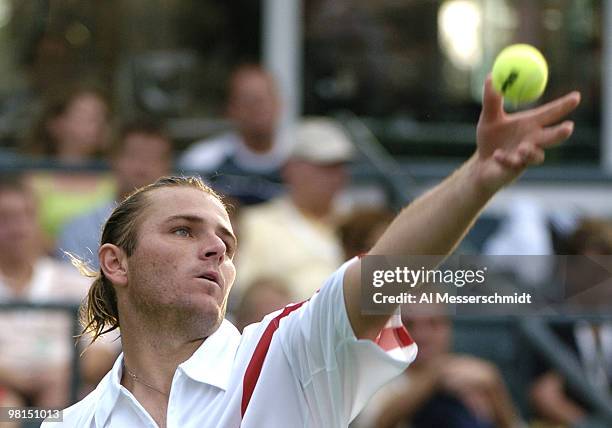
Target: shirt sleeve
{"x":338,"y":372}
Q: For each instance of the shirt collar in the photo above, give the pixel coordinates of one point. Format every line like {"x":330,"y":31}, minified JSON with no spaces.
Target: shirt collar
{"x":108,"y":391}
{"x":212,"y":362}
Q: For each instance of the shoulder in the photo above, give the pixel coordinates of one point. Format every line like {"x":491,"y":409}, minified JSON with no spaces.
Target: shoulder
{"x":208,"y":154}
{"x":80,"y":414}
{"x":254,"y":331}
{"x":98,"y":404}
{"x":257,"y":338}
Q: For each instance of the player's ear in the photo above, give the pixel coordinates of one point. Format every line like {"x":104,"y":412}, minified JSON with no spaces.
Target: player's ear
{"x":113,"y":262}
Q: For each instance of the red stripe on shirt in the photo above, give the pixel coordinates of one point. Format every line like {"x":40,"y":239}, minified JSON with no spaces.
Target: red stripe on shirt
{"x":259,"y":355}
{"x":394,"y":337}
{"x":388,"y":339}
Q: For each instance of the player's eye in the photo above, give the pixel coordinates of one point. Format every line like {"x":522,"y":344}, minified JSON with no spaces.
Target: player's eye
{"x":182,"y":231}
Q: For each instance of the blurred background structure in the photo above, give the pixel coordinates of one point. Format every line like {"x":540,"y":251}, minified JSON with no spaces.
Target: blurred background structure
{"x":402,"y":77}
{"x":410,"y":70}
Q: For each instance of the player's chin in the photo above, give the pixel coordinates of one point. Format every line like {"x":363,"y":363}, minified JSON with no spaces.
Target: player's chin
{"x":206,"y":311}
{"x":206,"y":303}
{"x":203,"y":290}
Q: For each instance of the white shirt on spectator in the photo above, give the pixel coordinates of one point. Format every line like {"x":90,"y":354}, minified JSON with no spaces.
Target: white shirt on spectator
{"x":41,"y":339}
{"x":315,"y":373}
{"x":207,"y":156}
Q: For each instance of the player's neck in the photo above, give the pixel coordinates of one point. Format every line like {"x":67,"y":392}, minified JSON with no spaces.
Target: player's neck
{"x":149,"y":367}
{"x":154,"y":356}
{"x":152,"y":398}
{"x":152,"y":353}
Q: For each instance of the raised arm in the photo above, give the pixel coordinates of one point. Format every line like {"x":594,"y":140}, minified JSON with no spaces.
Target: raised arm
{"x":435,"y":223}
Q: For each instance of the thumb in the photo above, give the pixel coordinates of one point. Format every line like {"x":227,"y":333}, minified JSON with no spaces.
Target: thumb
{"x":492,"y":102}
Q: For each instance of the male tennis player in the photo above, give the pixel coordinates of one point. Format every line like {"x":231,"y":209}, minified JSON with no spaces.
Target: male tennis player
{"x":166,"y":270}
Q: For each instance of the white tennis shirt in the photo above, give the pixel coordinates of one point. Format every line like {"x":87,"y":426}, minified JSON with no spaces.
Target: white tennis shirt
{"x":299,"y":367}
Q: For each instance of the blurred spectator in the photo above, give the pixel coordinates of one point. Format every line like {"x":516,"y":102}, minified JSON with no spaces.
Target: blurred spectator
{"x":360,"y":230}
{"x":524,"y":231}
{"x":253,"y":106}
{"x":37,"y":345}
{"x":140,"y":155}
{"x":62,"y":195}
{"x":262,"y":297}
{"x":293,"y":237}
{"x":254,"y":149}
{"x":10,"y":399}
{"x":441,"y":389}
{"x":592,"y":236}
{"x":586,"y":273}
{"x":73,"y":127}
{"x":587,"y":289}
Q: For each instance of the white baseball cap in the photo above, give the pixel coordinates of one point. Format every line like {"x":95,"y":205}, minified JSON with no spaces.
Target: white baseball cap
{"x":321,"y":140}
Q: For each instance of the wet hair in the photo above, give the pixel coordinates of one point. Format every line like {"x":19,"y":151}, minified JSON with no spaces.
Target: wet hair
{"x":99,"y":313}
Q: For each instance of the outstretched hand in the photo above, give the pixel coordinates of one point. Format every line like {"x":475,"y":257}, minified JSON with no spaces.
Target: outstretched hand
{"x":437,"y":220}
{"x":509,"y":143}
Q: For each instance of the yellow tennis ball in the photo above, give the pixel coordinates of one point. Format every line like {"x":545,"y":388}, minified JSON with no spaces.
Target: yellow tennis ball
{"x":520,"y":73}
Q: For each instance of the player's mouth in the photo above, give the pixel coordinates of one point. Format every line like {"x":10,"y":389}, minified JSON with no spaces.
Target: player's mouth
{"x":211,"y":276}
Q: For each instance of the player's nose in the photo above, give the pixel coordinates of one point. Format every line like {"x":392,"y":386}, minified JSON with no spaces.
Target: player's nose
{"x":212,"y":247}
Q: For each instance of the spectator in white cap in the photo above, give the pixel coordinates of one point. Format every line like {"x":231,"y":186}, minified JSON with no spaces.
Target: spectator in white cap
{"x":314,"y":175}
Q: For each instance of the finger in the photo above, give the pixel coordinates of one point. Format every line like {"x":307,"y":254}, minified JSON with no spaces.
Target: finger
{"x":531,"y":154}
{"x":536,"y":157}
{"x":492,"y":102}
{"x":553,"y":135}
{"x":510,"y":160}
{"x":555,"y":110}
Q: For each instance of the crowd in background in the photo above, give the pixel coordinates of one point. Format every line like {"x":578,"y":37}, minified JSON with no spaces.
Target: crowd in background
{"x":283,"y":187}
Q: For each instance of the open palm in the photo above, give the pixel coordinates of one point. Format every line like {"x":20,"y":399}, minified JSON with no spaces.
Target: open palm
{"x":508,"y":143}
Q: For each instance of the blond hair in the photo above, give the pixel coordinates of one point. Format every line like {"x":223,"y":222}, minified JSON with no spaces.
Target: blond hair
{"x":99,"y":313}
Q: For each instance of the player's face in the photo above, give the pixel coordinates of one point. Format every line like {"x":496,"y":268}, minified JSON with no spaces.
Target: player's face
{"x":182,"y":266}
